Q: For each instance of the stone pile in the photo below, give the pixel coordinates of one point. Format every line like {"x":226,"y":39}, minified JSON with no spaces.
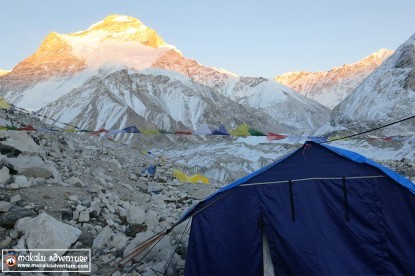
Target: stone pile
{"x":403,"y":166}
{"x":70,"y":191}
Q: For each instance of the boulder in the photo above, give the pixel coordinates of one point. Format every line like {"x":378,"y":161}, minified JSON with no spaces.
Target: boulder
{"x":8,"y":219}
{"x":86,"y":239}
{"x":151,"y":220}
{"x":29,"y":166}
{"x":103,"y":238}
{"x":118,"y":241}
{"x":21,"y":142}
{"x":4,"y":206}
{"x":4,"y":176}
{"x":22,"y":181}
{"x":83,"y":216}
{"x":73,"y":198}
{"x":15,"y":198}
{"x":75,"y":181}
{"x":94,"y":209}
{"x":135,"y":215}
{"x":44,"y":231}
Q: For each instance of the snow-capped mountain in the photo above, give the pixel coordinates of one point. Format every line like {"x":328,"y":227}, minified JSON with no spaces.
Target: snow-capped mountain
{"x":166,"y":99}
{"x":278,"y":101}
{"x":104,"y":66}
{"x":387,"y":95}
{"x":331,"y":87}
{"x":4,"y":72}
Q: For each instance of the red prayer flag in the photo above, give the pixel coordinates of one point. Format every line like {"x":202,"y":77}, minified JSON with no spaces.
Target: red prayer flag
{"x":275,"y":136}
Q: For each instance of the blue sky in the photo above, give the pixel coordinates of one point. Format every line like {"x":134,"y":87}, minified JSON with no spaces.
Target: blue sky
{"x":250,"y":38}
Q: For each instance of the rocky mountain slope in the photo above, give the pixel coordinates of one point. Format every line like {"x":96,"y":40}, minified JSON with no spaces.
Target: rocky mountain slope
{"x":93,"y":190}
{"x":278,"y":101}
{"x":387,"y":95}
{"x":69,"y":65}
{"x":55,"y":180}
{"x":168,"y":100}
{"x":331,"y":87}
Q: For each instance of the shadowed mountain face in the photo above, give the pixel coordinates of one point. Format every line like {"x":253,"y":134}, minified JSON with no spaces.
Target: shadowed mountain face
{"x":385,"y":96}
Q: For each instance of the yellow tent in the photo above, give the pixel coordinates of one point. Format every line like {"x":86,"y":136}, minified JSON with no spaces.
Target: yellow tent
{"x":196,"y":178}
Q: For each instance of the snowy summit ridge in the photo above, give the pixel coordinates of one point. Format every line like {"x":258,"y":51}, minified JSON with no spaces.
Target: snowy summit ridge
{"x":331,"y":87}
{"x":104,"y":72}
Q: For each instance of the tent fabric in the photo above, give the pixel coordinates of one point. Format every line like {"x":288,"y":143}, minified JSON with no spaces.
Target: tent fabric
{"x":195,"y":178}
{"x":341,"y":213}
{"x":149,"y":171}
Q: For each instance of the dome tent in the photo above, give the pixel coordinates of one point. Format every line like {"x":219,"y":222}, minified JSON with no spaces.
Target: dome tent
{"x":319,"y":210}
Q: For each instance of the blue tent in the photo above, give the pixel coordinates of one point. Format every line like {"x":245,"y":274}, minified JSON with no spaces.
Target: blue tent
{"x":320,"y":210}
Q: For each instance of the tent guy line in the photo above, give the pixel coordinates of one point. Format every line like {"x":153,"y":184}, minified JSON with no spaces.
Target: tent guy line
{"x":367,"y":131}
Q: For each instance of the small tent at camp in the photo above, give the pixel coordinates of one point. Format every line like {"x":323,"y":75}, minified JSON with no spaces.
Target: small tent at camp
{"x":320,"y":210}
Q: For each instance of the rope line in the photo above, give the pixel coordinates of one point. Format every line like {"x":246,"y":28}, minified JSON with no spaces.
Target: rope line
{"x":367,"y":131}
{"x":175,"y":249}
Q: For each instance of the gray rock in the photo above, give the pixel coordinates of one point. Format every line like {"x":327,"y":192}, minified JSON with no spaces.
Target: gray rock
{"x":86,"y":202}
{"x":75,"y":215}
{"x":154,"y":187}
{"x":103,"y":238}
{"x":135,"y":215}
{"x":80,"y":208}
{"x":22,"y":181}
{"x":4,"y":176}
{"x":4,"y":206}
{"x":5,"y":242}
{"x":118,"y":241}
{"x":15,"y":198}
{"x":22,"y":142}
{"x":66,"y":215}
{"x":73,"y":198}
{"x":83,"y":216}
{"x":133,"y":177}
{"x":75,"y":181}
{"x":94,"y":208}
{"x":133,"y":230}
{"x":86,"y":239}
{"x":122,"y":212}
{"x":151,"y":220}
{"x":22,"y":224}
{"x":44,"y":231}
{"x":8,"y":219}
{"x":30,"y":166}
{"x":13,"y":233}
{"x":13,"y":186}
